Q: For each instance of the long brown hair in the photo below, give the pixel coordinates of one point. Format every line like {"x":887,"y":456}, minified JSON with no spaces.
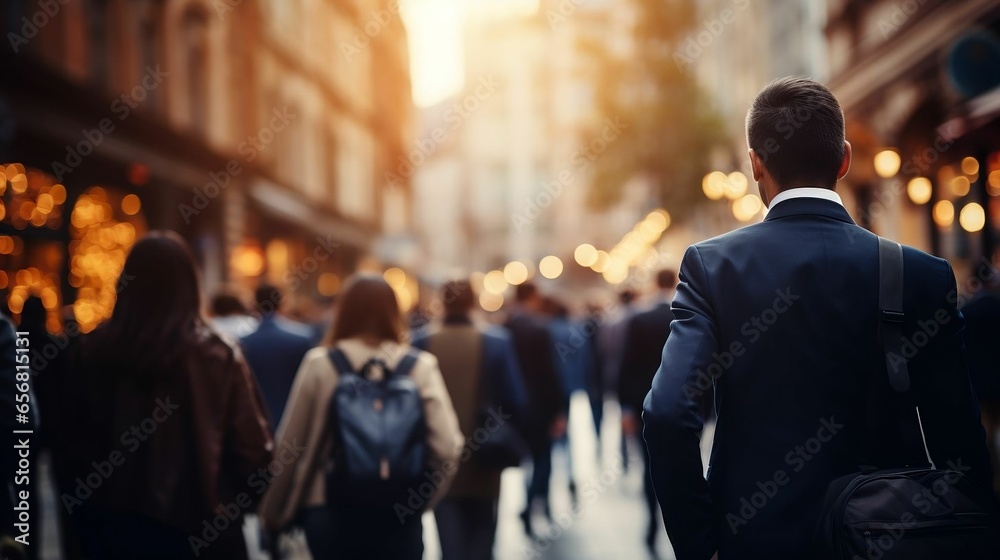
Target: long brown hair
{"x":366,"y":309}
{"x":157,"y":312}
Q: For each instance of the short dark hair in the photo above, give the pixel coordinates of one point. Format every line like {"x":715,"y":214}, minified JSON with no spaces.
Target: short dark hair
{"x":796,"y":127}
{"x":225,"y":304}
{"x":457,"y":297}
{"x":267,"y":298}
{"x":525,"y":291}
{"x":666,"y":279}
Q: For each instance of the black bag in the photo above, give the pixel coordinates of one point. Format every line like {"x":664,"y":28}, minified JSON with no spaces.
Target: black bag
{"x":501,"y":445}
{"x":914,"y":513}
{"x":380,"y":434}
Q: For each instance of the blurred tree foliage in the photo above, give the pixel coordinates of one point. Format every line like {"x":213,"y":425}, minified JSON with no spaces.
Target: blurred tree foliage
{"x":653,"y":89}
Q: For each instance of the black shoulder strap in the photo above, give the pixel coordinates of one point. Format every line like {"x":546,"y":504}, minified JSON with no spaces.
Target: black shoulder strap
{"x":340,"y":361}
{"x":890,"y":302}
{"x":406,"y":364}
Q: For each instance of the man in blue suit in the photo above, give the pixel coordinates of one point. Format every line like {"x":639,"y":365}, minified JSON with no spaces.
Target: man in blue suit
{"x":645,"y":335}
{"x":782,"y":318}
{"x":275,"y":350}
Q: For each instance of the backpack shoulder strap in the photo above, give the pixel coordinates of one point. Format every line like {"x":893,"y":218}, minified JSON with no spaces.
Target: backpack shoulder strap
{"x":405,"y":365}
{"x":890,"y":302}
{"x":340,"y":361}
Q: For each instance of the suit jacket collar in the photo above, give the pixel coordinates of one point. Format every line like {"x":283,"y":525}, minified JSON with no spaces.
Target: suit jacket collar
{"x":808,"y":207}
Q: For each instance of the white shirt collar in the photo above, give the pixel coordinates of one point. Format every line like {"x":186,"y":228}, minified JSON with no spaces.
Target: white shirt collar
{"x":806,"y":192}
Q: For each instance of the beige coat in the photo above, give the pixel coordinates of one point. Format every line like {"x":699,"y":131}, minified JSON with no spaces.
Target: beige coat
{"x":304,"y":443}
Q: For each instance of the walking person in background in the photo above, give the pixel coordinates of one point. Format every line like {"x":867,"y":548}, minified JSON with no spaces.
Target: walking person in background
{"x":611,"y":343}
{"x":230,"y":317}
{"x":545,"y":418}
{"x":595,"y":378}
{"x":570,"y":353}
{"x":645,"y":336}
{"x":479,"y":370}
{"x":335,"y":483}
{"x":275,"y":349}
{"x":781,"y":317}
{"x":166,"y":413}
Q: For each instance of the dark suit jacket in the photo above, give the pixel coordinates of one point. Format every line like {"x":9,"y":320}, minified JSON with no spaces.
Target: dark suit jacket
{"x":644,"y":339}
{"x":784,"y":316}
{"x":534,"y":347}
{"x":982,"y":315}
{"x":468,"y":356}
{"x":274,"y":352}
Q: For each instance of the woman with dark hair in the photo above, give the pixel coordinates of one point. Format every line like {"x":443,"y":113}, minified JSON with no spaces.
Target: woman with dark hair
{"x":367,"y":326}
{"x":162,"y":429}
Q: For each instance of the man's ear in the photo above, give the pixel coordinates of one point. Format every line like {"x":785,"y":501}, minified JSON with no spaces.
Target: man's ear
{"x":756,"y":165}
{"x":845,"y":165}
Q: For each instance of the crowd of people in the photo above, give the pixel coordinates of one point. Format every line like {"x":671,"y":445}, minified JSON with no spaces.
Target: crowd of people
{"x":204,"y":418}
{"x":167,"y":427}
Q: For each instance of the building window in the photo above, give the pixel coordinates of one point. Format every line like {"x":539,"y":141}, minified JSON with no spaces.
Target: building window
{"x":194,"y":29}
{"x":99,"y":36}
{"x":149,"y":15}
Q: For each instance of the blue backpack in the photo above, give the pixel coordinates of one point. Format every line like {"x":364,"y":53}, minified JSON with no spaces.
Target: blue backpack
{"x":380,"y":431}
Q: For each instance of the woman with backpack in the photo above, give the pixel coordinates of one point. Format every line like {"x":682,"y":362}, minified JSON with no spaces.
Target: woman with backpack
{"x":369,"y":438}
{"x":161,"y":429}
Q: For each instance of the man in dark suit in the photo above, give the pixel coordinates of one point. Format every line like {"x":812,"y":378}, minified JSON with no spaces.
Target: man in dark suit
{"x":645,"y":336}
{"x":478,"y":367}
{"x":545,"y":414}
{"x":782,"y":317}
{"x":275,"y":350}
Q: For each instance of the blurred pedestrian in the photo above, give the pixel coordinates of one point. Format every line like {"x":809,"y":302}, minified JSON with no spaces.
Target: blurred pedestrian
{"x":164,"y":414}
{"x":570,"y":353}
{"x":275,"y":349}
{"x":610,"y":344}
{"x":645,"y":336}
{"x":782,"y":317}
{"x":545,"y":416}
{"x":331,"y":484}
{"x":595,"y":378}
{"x":230,"y":316}
{"x":480,"y":371}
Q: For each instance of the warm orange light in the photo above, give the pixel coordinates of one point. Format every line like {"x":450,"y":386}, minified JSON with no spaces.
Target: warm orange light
{"x":328,"y":284}
{"x":993,"y":183}
{"x":944,"y":213}
{"x":919,"y":189}
{"x":972,"y":218}
{"x":585,"y":254}
{"x":131,"y":204}
{"x":550,"y":267}
{"x":58,"y":193}
{"x":735,"y":186}
{"x":714,"y":185}
{"x":960,"y":185}
{"x":494,"y":282}
{"x":970,"y":166}
{"x":515,"y":273}
{"x":490,"y":301}
{"x":887,"y":163}
{"x":248,"y":261}
{"x":747,"y":207}
{"x":396,"y":277}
